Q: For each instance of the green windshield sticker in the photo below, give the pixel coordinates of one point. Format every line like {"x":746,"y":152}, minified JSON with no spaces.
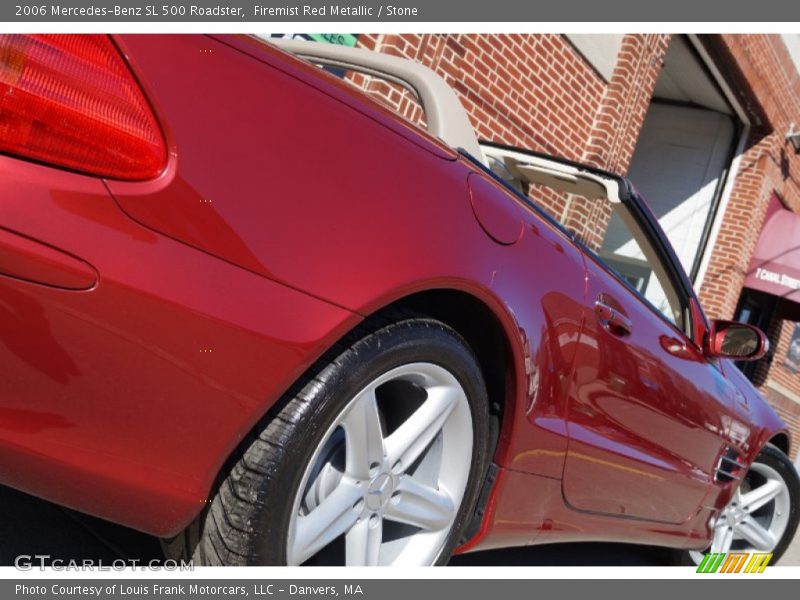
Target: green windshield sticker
{"x":340,"y":39}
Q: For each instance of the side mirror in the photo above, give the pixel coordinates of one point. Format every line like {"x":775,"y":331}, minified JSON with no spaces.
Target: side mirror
{"x":729,"y":339}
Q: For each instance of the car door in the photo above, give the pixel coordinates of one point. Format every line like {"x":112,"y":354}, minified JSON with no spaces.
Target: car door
{"x":648,"y":413}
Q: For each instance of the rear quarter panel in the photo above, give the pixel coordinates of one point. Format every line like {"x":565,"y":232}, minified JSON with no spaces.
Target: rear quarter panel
{"x":280,"y":170}
{"x":123,"y":400}
{"x":287,"y":174}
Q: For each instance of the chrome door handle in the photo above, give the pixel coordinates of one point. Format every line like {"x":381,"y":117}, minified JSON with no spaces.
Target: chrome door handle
{"x":613,"y":320}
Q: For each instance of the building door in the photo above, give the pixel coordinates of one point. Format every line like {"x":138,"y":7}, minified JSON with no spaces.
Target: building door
{"x":678,"y":165}
{"x":684,"y":151}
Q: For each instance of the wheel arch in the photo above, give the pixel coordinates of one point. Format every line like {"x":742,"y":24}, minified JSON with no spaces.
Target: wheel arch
{"x":782,"y":441}
{"x":484,"y":332}
{"x":470,"y":317}
{"x":482,"y":326}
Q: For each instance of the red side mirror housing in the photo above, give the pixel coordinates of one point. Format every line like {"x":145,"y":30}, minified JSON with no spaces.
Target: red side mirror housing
{"x":737,"y":341}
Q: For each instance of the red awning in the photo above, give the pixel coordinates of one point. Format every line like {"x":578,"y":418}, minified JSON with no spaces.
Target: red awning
{"x":775,"y":266}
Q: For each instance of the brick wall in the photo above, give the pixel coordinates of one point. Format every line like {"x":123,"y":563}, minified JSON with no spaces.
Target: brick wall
{"x":767,"y":72}
{"x":531,"y":91}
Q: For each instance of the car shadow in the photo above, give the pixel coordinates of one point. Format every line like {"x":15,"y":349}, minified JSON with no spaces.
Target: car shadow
{"x":30,"y":526}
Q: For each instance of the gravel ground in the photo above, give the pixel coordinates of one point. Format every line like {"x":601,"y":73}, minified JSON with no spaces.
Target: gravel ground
{"x":31,"y":526}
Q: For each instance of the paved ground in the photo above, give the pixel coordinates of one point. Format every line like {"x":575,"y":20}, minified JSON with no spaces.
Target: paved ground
{"x":792,"y":556}
{"x":31,"y":526}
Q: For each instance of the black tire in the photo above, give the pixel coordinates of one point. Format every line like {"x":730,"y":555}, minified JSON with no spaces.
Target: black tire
{"x":773,"y":457}
{"x":247,"y":520}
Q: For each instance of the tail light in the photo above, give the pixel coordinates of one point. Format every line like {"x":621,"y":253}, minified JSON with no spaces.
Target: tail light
{"x":71,"y":101}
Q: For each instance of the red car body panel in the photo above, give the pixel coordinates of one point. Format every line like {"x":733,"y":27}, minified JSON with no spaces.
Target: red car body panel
{"x":649,"y":416}
{"x":125,"y":399}
{"x":148,"y":326}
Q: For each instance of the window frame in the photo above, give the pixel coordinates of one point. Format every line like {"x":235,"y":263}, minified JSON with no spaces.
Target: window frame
{"x":652,"y":237}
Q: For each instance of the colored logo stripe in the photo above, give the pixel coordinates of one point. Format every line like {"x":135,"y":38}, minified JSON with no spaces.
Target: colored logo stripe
{"x":758,"y":563}
{"x":734,"y":562}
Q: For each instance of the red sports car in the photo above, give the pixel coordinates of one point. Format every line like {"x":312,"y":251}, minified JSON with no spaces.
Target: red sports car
{"x":249,"y":310}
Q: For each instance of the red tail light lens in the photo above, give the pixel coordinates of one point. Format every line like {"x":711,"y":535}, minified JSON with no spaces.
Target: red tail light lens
{"x":70,"y":100}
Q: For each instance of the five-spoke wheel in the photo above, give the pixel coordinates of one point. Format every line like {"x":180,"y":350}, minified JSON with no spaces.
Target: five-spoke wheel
{"x":390,"y":474}
{"x":762,"y":515}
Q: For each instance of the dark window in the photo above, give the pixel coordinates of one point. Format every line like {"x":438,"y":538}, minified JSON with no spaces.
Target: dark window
{"x":757,"y":309}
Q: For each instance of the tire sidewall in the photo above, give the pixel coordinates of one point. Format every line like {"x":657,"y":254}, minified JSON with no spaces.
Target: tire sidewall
{"x":775,"y":458}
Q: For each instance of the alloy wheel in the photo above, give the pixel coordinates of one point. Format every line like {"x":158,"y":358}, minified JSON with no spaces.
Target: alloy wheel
{"x":756,"y":518}
{"x":385,"y":484}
